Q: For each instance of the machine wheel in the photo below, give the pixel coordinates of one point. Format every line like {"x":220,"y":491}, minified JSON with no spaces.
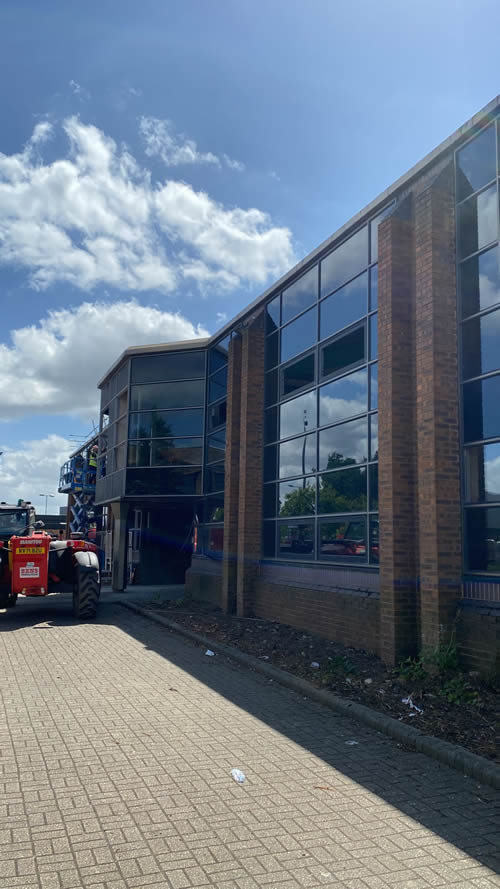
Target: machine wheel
{"x":7,"y":600}
{"x":86,"y":593}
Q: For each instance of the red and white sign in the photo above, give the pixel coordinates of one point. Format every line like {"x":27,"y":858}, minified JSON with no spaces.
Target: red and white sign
{"x":29,"y":572}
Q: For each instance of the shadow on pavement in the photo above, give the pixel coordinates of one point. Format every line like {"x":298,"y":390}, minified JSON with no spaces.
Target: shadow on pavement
{"x":457,"y":809}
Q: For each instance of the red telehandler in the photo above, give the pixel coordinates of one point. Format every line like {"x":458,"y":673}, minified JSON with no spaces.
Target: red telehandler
{"x":32,"y":564}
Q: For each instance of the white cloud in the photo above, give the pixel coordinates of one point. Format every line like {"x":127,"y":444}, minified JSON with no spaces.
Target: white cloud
{"x":32,"y":467}
{"x":42,"y":133}
{"x":161,"y":139}
{"x":53,"y":367}
{"x":239,"y":166}
{"x":94,"y":217}
{"x":79,"y":90}
{"x":228,"y":239}
{"x":221,"y":317}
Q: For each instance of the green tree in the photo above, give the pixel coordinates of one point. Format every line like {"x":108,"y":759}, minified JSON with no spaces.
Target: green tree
{"x":300,"y":501}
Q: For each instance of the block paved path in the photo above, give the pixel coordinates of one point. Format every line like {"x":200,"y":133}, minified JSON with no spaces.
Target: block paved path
{"x":116,"y":744}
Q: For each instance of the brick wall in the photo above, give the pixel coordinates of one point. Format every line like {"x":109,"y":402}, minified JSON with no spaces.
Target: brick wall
{"x":397,"y":437}
{"x":204,"y":581}
{"x":251,"y":462}
{"x":478,"y":637}
{"x":351,"y":618}
{"x":437,"y":426}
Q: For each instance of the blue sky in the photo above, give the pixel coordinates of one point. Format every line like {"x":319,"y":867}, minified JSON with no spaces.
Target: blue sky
{"x":162,"y":162}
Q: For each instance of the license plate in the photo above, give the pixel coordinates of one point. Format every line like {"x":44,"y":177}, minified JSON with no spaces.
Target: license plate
{"x":29,"y":572}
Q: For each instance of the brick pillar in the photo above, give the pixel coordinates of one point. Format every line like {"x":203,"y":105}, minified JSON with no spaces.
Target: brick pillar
{"x":251,"y":459}
{"x":232,"y":483}
{"x":440,"y":539}
{"x":397,"y":481}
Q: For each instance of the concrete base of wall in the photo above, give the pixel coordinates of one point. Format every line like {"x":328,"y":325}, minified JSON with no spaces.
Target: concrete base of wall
{"x":478,"y":636}
{"x":351,"y":618}
{"x":204,"y":581}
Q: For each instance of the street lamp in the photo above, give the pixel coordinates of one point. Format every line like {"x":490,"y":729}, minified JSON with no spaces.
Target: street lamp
{"x":46,"y":498}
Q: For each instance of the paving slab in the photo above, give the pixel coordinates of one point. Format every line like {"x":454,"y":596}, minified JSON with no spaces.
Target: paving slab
{"x":117,"y":740}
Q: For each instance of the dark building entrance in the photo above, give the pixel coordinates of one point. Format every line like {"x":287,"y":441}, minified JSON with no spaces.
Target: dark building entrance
{"x":160,"y":543}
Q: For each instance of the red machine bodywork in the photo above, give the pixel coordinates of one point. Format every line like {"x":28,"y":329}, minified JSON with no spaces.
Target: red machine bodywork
{"x":30,"y":564}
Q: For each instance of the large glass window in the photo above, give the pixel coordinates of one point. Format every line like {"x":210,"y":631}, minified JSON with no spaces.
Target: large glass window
{"x":217,"y":385}
{"x":163,"y":452}
{"x":272,"y":351}
{"x":139,"y":453}
{"x":482,"y":540}
{"x":151,"y":396}
{"x":299,"y":335}
{"x":271,"y":387}
{"x":344,"y":352}
{"x":345,"y":262}
{"x":479,"y":289}
{"x":214,"y":477}
{"x":301,"y":294}
{"x":347,"y":442}
{"x":344,"y":307}
{"x":480,"y":282}
{"x":481,"y":414}
{"x":481,"y":344}
{"x":343,"y":398}
{"x":296,"y":540}
{"x":476,"y":163}
{"x":297,"y":456}
{"x":297,"y":497}
{"x":168,"y":366}
{"x":373,"y":287}
{"x":332,"y":471}
{"x":219,"y":355}
{"x":343,"y":539}
{"x":217,"y":414}
{"x":482,"y":473}
{"x":216,"y":446}
{"x":478,"y":221}
{"x":159,"y":424}
{"x":182,"y":451}
{"x":271,"y":424}
{"x":298,"y":375}
{"x":298,"y":415}
{"x":159,"y":482}
{"x":342,"y":491}
{"x":273,"y":315}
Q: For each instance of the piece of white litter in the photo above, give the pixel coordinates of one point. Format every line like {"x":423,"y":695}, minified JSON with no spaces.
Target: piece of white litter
{"x":411,"y":705}
{"x":315,"y":665}
{"x":351,"y":743}
{"x":264,"y":657}
{"x":238,"y":776}
{"x":210,"y":653}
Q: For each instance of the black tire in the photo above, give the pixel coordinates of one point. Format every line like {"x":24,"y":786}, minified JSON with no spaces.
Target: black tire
{"x":7,"y":599}
{"x":86,"y":593}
